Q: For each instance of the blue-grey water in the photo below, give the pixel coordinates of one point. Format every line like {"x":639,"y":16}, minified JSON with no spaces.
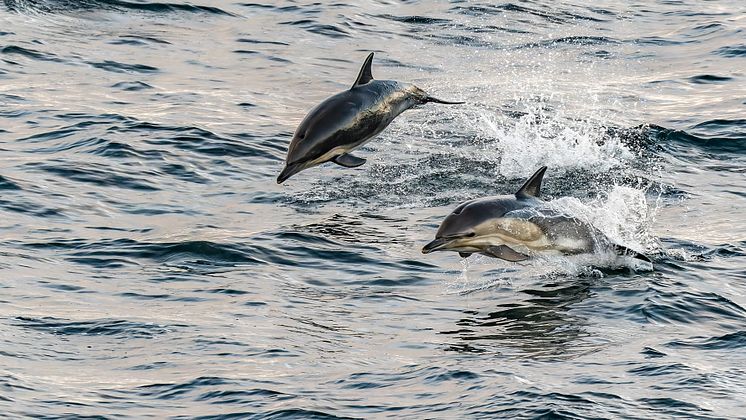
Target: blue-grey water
{"x":150,"y":266}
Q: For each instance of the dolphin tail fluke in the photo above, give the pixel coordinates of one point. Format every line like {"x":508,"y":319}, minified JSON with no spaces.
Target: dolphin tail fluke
{"x":440,"y":101}
{"x":623,"y":250}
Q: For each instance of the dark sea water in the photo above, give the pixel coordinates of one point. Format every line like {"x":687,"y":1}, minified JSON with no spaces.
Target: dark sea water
{"x":150,"y":266}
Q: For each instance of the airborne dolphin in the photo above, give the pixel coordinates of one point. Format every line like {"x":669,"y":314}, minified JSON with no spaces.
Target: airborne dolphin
{"x":349,"y":119}
{"x":517,"y":227}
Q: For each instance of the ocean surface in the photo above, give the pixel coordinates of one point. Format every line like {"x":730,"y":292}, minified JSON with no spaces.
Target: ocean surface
{"x":151,"y":267}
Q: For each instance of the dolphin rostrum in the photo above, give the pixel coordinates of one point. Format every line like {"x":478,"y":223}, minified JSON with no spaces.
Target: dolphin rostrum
{"x":517,"y":227}
{"x":349,"y":119}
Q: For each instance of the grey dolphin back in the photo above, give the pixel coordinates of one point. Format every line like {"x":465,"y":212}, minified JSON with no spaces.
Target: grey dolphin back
{"x":366,"y":74}
{"x":532,"y":187}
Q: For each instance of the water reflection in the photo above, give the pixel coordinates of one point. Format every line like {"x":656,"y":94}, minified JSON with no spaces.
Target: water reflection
{"x":539,"y":326}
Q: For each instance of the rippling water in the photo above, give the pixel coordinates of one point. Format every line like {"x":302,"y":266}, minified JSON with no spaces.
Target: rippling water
{"x":152,"y":267}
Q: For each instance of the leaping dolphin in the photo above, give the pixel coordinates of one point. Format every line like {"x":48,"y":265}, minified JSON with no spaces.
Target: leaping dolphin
{"x":349,"y":119}
{"x":517,"y":227}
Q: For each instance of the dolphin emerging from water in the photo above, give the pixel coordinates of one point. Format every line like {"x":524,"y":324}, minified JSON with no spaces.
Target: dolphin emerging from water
{"x":517,"y":227}
{"x":348,"y":120}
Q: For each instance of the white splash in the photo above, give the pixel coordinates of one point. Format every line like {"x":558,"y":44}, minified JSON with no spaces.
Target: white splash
{"x":623,"y":215}
{"x":538,"y":138}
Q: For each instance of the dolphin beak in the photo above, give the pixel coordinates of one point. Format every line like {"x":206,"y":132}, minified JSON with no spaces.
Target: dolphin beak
{"x":435,"y":245}
{"x":289,"y":171}
{"x":440,"y":101}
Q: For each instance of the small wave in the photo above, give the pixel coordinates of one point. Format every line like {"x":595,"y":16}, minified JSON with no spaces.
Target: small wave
{"x":553,"y":16}
{"x":258,"y":6}
{"x":169,"y":7}
{"x":732,"y":51}
{"x":247,"y":396}
{"x":65,"y":6}
{"x":200,"y":140}
{"x":709,"y":78}
{"x":571,"y":41}
{"x":659,"y":369}
{"x":117,"y":67}
{"x":456,"y":39}
{"x":331,"y":31}
{"x":734,"y":340}
{"x":675,"y":408}
{"x":732,"y":129}
{"x":8,"y":184}
{"x":96,"y":174}
{"x":66,"y":131}
{"x":717,"y":136}
{"x":31,"y":207}
{"x":350,"y":229}
{"x":138,"y":40}
{"x":415,"y":20}
{"x":116,"y":252}
{"x":102,"y":327}
{"x":688,"y":307}
{"x":310,"y":247}
{"x":257,"y":41}
{"x":29,"y":53}
{"x":659,"y":41}
{"x":285,"y":413}
{"x":225,"y":291}
{"x":311,"y":8}
{"x":177,"y":390}
{"x":132,"y":86}
{"x":10,"y":383}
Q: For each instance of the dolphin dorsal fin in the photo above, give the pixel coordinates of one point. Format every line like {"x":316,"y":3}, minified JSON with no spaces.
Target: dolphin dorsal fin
{"x":365,"y":74}
{"x":532,"y":187}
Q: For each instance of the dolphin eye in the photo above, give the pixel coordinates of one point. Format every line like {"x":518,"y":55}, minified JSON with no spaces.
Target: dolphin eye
{"x":302,"y":136}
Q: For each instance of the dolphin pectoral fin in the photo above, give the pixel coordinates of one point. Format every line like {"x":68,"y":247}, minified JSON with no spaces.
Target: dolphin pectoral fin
{"x":623,"y":250}
{"x":348,"y":161}
{"x":464,"y":254}
{"x":505,"y":252}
